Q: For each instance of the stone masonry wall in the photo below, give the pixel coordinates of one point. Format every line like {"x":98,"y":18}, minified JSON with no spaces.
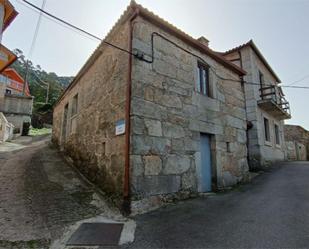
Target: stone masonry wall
{"x":261,"y":153}
{"x":297,"y":142}
{"x":270,"y":152}
{"x":168,"y":116}
{"x":90,"y":138}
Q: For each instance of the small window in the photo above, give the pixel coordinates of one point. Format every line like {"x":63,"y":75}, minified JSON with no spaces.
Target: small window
{"x":266,"y":129}
{"x":261,"y":78}
{"x":7,"y":91}
{"x":277,"y":135}
{"x":202,"y":83}
{"x":75,"y":105}
{"x":228,"y":147}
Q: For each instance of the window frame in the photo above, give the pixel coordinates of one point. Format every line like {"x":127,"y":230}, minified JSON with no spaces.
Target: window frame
{"x":74,"y":101}
{"x":201,"y":86}
{"x":266,"y":130}
{"x":261,"y":80}
{"x":277,"y":134}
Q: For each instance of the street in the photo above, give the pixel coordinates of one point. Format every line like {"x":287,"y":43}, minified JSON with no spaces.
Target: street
{"x":270,"y":212}
{"x":41,"y":197}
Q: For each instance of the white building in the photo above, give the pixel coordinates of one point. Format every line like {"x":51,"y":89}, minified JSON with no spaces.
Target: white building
{"x":266,"y":106}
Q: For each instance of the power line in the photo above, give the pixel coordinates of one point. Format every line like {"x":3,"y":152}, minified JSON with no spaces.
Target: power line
{"x":36,"y":31}
{"x":53,"y":20}
{"x":32,"y":46}
{"x":126,"y":51}
{"x":75,"y":27}
{"x":305,"y":77}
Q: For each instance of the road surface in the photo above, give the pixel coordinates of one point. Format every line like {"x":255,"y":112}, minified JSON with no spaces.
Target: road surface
{"x":270,"y":212}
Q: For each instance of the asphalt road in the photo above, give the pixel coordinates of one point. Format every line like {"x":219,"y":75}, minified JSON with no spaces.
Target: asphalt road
{"x":270,"y":212}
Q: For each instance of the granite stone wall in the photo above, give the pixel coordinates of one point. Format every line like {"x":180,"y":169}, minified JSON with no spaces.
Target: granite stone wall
{"x":168,"y":117}
{"x":88,"y":136}
{"x":261,"y":153}
{"x":297,"y":142}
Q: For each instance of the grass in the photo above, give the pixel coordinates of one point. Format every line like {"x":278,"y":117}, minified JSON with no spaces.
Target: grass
{"x":39,"y":132}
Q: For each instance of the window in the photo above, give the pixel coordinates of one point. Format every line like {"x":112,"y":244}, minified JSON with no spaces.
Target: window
{"x":202,"y":82}
{"x":266,"y":129}
{"x":7,"y":91}
{"x":228,"y":147}
{"x":75,"y":105}
{"x":277,"y":135}
{"x":261,"y":79}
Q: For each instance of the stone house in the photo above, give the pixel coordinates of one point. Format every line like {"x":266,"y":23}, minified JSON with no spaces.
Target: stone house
{"x":297,"y":143}
{"x":266,"y":106}
{"x":168,"y":120}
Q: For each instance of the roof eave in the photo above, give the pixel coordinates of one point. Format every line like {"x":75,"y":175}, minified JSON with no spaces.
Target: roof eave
{"x":132,"y":8}
{"x":191,"y":41}
{"x":259,"y":54}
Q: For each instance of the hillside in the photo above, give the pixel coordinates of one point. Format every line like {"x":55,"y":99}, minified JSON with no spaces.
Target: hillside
{"x":37,"y":77}
{"x":37,"y":87}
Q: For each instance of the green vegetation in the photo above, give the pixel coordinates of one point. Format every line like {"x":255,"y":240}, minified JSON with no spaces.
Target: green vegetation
{"x":40,"y":132}
{"x":37,"y":88}
{"x":38,"y":80}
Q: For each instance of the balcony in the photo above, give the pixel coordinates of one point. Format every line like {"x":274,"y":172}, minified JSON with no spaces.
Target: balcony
{"x":273,"y":101}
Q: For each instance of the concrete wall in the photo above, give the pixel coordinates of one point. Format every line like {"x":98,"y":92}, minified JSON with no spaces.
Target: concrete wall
{"x":261,"y":152}
{"x":168,"y":115}
{"x":17,"y":109}
{"x":6,"y":129}
{"x":88,"y":137}
{"x":297,"y":142}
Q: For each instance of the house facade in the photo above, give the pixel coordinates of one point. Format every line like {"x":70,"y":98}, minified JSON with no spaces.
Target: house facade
{"x":7,"y":15}
{"x":168,"y":120}
{"x":266,"y":106}
{"x":297,"y":143}
{"x":15,"y":100}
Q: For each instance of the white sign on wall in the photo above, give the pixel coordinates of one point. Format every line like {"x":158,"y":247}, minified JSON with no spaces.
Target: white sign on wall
{"x":120,"y":127}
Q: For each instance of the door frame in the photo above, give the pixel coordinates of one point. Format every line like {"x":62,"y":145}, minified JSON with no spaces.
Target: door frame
{"x":198,"y":159}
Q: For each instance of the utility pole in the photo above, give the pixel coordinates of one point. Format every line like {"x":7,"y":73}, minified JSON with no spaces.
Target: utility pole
{"x":47,"y":85}
{"x":26,"y":77}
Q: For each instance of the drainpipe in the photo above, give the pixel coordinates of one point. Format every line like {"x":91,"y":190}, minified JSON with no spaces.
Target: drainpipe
{"x":126,"y":205}
{"x":249,"y":124}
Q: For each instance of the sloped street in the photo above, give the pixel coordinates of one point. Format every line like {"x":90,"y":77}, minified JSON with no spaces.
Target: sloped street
{"x":271,"y":212}
{"x":41,"y":196}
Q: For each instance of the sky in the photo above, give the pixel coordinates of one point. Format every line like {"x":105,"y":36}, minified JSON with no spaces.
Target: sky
{"x":278,"y":27}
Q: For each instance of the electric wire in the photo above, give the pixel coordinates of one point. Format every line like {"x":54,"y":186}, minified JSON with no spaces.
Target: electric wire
{"x":77,"y":28}
{"x":297,"y":81}
{"x":59,"y":20}
{"x":36,"y":32}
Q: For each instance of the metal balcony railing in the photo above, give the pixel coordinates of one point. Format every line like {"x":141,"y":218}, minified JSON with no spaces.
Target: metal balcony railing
{"x":272,"y":100}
